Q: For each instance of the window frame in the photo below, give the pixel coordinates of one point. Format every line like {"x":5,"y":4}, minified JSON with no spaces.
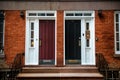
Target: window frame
{"x":117,"y":52}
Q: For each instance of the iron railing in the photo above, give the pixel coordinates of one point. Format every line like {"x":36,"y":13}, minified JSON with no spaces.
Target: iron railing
{"x":14,"y":68}
{"x":108,"y":73}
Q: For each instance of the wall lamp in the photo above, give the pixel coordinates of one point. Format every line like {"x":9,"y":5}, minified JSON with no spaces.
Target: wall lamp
{"x":22,"y":15}
{"x":100,"y":13}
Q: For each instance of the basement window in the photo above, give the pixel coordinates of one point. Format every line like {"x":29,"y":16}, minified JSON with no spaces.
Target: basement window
{"x":1,"y":32}
{"x":117,"y":32}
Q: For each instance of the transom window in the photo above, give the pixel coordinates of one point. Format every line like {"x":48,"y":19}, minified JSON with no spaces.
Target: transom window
{"x":79,"y":14}
{"x":41,"y":14}
{"x":1,"y":31}
{"x":117,"y":32}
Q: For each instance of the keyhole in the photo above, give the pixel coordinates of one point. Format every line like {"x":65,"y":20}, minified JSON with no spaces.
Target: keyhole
{"x":83,"y":34}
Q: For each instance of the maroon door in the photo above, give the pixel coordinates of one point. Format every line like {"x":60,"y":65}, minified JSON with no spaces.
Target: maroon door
{"x":47,"y":41}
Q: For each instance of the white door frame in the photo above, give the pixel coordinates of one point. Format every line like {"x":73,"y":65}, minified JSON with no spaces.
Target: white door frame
{"x":32,"y":53}
{"x":84,"y":16}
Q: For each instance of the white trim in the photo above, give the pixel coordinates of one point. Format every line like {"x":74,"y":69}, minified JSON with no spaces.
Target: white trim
{"x":55,"y":38}
{"x":64,"y":39}
{"x":116,"y":12}
{"x":83,"y":48}
{"x":36,"y":19}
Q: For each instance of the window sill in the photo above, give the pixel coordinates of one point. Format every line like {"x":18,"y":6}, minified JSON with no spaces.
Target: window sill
{"x":116,"y":55}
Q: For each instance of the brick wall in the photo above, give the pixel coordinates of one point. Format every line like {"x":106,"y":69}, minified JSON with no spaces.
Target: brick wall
{"x":14,"y":34}
{"x":60,"y":23}
{"x":104,"y":31}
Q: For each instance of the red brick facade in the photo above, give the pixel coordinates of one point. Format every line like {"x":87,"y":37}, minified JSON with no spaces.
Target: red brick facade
{"x":14,"y":34}
{"x":104,"y":32}
{"x":60,"y":22}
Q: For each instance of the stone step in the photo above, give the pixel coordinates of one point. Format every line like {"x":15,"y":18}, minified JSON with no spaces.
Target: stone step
{"x":60,"y":69}
{"x":60,"y":76}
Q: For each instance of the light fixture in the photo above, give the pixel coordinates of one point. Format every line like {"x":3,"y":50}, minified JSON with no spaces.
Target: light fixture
{"x":100,"y":13}
{"x":22,"y":14}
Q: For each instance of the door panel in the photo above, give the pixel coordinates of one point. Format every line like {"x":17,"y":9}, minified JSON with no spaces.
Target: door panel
{"x":47,"y":41}
{"x":72,"y":41}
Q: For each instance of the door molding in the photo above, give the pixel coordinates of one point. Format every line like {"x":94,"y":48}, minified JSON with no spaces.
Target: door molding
{"x":83,"y":16}
{"x":35,"y":16}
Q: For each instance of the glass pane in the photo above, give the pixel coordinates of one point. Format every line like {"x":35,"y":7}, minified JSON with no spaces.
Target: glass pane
{"x":1,"y":48}
{"x":87,"y":43}
{"x":32,"y":14}
{"x":117,"y":18}
{"x":32,"y":34}
{"x":32,"y":26}
{"x":69,"y":14}
{"x":116,"y":74}
{"x":1,"y":27}
{"x":87,"y":26}
{"x":50,"y":14}
{"x":117,"y":27}
{"x":117,"y":46}
{"x":117,"y":36}
{"x":1,"y":19}
{"x":32,"y":43}
{"x":87,"y":14}
{"x":78,"y":14}
{"x":1,"y":37}
{"x":41,"y":14}
{"x":109,"y":74}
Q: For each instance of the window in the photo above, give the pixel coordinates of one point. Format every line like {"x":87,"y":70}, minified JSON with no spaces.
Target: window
{"x":1,"y":31}
{"x":32,"y":34}
{"x":117,"y":32}
{"x":78,"y":14}
{"x":40,"y":14}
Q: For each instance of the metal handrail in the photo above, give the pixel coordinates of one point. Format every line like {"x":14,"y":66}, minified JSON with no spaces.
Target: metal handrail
{"x":102,"y":64}
{"x":12,"y":71}
{"x":103,"y":68}
{"x":16,"y":66}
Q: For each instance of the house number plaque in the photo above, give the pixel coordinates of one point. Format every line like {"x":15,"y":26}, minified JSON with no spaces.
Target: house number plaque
{"x":87,"y":34}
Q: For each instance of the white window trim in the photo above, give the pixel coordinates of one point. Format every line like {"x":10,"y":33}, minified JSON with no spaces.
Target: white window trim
{"x":116,"y":12}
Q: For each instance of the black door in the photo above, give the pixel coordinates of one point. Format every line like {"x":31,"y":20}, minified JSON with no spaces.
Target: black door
{"x":72,"y":41}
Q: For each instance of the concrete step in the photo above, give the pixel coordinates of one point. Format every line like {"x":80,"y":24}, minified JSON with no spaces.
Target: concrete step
{"x":60,"y":73}
{"x":60,"y":69}
{"x":60,"y":76}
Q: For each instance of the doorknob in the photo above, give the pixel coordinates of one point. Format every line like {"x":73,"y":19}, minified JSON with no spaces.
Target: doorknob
{"x":40,"y":42}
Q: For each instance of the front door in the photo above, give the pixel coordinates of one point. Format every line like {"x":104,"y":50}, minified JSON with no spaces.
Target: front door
{"x":73,"y":41}
{"x":47,"y":42}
